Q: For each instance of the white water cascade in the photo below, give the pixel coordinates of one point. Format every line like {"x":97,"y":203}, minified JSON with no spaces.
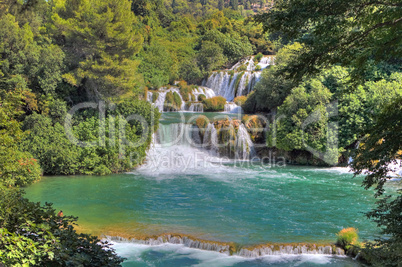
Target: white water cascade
{"x":263,"y":250}
{"x":235,"y":82}
{"x":160,"y":101}
{"x":233,"y":108}
{"x":196,"y":107}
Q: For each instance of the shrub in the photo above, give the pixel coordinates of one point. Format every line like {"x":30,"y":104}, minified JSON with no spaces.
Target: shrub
{"x":177,"y":100}
{"x":214,"y":104}
{"x":172,"y":102}
{"x":155,"y":96}
{"x":201,"y":97}
{"x":33,"y":235}
{"x":347,"y":237}
{"x":258,"y":57}
{"x":255,"y":126}
{"x":257,"y":68}
{"x":186,"y":91}
{"x":242,"y":68}
{"x":202,"y":124}
{"x":240,"y":100}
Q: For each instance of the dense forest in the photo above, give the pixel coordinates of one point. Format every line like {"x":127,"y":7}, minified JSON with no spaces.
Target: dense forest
{"x":57,"y":54}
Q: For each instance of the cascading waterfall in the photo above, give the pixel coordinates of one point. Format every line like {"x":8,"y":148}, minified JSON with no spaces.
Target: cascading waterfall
{"x":230,"y":249}
{"x":196,"y":107}
{"x":210,"y":140}
{"x":208,"y":92}
{"x":234,"y":145}
{"x":232,"y":108}
{"x":244,"y":145}
{"x":228,"y":83}
{"x":160,"y":101}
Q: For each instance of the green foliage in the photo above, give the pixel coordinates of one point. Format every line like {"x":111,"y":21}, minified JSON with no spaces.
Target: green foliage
{"x":273,"y":88}
{"x":201,"y":97}
{"x":31,"y":234}
{"x":347,"y":239}
{"x":155,"y":96}
{"x":100,"y":40}
{"x":258,"y":57}
{"x":353,"y":33}
{"x":211,"y":56}
{"x":17,"y":167}
{"x":186,"y":92}
{"x":172,"y":102}
{"x":156,"y":66}
{"x":25,"y":63}
{"x":48,"y":142}
{"x":214,"y":104}
{"x":234,"y":46}
{"x":240,"y":100}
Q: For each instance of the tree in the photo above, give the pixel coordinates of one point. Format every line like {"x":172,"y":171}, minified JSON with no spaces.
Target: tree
{"x":221,"y":4}
{"x":379,"y":151}
{"x":100,"y":39}
{"x":234,"y":4}
{"x":211,"y":56}
{"x":337,"y":31}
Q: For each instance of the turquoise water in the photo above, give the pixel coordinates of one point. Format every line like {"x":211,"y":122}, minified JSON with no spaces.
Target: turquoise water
{"x":246,"y":205}
{"x":186,"y":190}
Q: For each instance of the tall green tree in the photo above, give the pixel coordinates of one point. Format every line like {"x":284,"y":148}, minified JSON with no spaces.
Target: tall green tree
{"x":336,"y":31}
{"x":100,"y":39}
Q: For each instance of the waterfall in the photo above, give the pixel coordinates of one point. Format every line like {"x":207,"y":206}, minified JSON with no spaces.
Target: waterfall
{"x":210,"y":140}
{"x":244,"y":146}
{"x":208,"y":92}
{"x":232,"y":108}
{"x":159,"y":103}
{"x":231,"y":249}
{"x":229,"y":85}
{"x":149,"y":96}
{"x":196,"y":107}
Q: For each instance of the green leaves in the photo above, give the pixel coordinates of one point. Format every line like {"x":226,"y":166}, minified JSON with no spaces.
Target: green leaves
{"x":101,"y":40}
{"x":31,"y":234}
{"x":337,"y":31}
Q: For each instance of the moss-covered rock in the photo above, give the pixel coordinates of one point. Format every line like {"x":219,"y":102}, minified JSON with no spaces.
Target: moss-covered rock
{"x":186,"y":91}
{"x":172,"y":102}
{"x":155,"y":96}
{"x":214,"y":104}
{"x":201,"y":97}
{"x":256,"y":127}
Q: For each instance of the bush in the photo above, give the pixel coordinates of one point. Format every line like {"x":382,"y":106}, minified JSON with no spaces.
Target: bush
{"x":240,"y":100}
{"x":242,"y":68}
{"x":258,"y":57}
{"x":257,"y":68}
{"x":347,"y":238}
{"x":172,"y":102}
{"x":33,"y":235}
{"x":214,"y":104}
{"x":155,"y":96}
{"x":202,"y":122}
{"x":18,"y":168}
{"x":201,"y":97}
{"x":186,"y":91}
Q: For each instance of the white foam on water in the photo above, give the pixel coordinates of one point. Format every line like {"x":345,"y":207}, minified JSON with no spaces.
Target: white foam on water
{"x":136,"y":253}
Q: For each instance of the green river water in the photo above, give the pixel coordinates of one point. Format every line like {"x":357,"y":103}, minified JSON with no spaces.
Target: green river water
{"x":248,"y":203}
